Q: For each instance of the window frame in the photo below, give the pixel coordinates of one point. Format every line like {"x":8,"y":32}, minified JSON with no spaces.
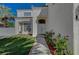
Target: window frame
{"x":27,"y":13}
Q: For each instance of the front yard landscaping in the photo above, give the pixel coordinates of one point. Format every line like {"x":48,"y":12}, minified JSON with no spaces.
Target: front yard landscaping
{"x":57,"y":43}
{"x":16,"y":45}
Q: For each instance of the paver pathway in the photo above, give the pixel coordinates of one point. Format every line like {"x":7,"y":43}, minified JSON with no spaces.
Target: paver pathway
{"x":40,"y":48}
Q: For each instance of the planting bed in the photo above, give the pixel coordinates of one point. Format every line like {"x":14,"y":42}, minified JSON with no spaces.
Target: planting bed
{"x":16,"y":45}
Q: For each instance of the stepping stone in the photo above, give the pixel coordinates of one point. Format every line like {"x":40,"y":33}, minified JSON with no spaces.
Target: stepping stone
{"x":39,"y":49}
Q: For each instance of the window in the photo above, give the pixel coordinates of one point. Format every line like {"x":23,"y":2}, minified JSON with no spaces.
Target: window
{"x":27,"y":13}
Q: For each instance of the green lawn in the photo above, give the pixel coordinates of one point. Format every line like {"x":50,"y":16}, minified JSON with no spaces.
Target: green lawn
{"x":16,"y":45}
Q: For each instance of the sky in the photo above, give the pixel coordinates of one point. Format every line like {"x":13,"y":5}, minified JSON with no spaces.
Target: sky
{"x":15,"y":6}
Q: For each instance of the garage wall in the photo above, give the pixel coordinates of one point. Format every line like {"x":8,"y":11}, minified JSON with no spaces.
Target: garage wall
{"x":60,"y":19}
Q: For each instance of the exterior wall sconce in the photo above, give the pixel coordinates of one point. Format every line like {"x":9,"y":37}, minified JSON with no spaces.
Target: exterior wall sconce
{"x":77,"y":13}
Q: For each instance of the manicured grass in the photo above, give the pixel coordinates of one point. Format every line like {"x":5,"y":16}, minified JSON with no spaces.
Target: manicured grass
{"x":16,"y":45}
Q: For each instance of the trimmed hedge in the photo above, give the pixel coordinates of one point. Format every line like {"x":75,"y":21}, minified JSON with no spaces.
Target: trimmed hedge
{"x":16,"y":45}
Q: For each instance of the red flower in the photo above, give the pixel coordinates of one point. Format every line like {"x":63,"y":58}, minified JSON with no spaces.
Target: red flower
{"x":52,"y":49}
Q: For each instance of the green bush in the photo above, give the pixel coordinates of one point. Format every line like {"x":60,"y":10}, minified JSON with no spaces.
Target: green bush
{"x":57,"y":43}
{"x":61,"y":44}
{"x":16,"y":45}
{"x":10,"y":24}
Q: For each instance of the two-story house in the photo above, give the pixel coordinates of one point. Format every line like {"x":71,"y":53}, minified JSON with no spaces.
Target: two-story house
{"x":31,"y":21}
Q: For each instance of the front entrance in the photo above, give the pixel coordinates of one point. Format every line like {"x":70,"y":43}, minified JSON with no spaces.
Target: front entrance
{"x":41,"y":26}
{"x":25,"y":27}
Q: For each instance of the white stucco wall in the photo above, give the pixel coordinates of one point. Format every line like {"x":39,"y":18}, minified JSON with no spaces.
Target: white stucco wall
{"x":7,"y":32}
{"x":60,"y":19}
{"x":20,"y":13}
{"x":76,"y":31}
{"x":35,"y":13}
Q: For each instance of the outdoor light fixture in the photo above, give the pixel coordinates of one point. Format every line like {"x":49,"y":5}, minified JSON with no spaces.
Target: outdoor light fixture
{"x":77,"y":13}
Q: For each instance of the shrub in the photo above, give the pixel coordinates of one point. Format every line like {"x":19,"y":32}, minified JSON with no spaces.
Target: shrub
{"x":16,"y":45}
{"x":58,"y":44}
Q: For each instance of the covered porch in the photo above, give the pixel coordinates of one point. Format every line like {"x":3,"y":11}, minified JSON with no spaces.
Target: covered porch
{"x":24,"y":25}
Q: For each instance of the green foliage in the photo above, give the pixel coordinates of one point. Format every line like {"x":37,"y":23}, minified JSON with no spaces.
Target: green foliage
{"x":10,"y":24}
{"x":5,"y":11}
{"x":48,"y":37}
{"x":61,"y":45}
{"x":59,"y":42}
{"x":16,"y":45}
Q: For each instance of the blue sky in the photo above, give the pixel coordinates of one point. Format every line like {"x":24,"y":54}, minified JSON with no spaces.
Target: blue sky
{"x":15,"y":6}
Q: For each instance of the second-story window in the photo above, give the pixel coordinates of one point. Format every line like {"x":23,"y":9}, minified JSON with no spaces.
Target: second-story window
{"x":27,"y":13}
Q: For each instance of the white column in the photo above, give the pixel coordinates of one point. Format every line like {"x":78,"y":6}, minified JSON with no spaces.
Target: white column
{"x":34,"y":26}
{"x":16,"y":27}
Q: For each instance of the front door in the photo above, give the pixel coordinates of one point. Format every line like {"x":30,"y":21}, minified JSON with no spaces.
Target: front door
{"x":41,"y":26}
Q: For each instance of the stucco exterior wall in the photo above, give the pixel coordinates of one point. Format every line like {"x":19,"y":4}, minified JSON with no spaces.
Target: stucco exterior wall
{"x":20,"y":13}
{"x":60,"y":19}
{"x":35,"y":13}
{"x":76,"y":31}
